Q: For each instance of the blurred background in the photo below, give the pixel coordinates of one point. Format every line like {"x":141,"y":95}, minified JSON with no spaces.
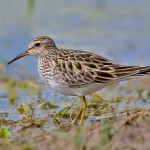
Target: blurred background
{"x":119,"y":30}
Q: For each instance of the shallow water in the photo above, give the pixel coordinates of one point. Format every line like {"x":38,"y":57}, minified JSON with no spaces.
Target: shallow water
{"x":119,"y":30}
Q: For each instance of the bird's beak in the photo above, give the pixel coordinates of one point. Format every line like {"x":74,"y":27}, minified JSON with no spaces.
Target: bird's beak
{"x":19,"y":56}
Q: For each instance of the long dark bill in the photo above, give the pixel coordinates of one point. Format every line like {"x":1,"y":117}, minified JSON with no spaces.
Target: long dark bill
{"x":19,"y":56}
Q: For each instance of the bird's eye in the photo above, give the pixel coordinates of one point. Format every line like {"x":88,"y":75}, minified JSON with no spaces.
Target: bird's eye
{"x":37,"y":44}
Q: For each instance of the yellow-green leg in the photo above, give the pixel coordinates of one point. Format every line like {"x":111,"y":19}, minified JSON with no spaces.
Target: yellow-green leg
{"x":84,"y":105}
{"x":82,"y":112}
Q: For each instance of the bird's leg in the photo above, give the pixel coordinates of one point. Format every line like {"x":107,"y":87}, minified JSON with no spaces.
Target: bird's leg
{"x":84,"y":105}
{"x":82,"y":112}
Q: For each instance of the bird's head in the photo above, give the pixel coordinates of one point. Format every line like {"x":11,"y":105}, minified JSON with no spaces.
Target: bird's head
{"x":38,"y":47}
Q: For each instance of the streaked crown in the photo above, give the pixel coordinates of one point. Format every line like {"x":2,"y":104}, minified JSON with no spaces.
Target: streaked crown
{"x":40,"y":45}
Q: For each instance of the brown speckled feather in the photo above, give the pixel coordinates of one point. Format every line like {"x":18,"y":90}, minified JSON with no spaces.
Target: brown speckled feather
{"x":81,"y":68}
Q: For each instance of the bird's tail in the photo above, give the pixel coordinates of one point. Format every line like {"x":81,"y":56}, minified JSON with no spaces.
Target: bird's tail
{"x":122,"y":73}
{"x":131,"y":71}
{"x":143,"y":71}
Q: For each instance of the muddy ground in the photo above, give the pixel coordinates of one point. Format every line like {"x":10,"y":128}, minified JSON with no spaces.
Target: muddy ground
{"x":117,"y":118}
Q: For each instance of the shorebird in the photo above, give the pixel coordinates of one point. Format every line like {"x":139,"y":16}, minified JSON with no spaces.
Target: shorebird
{"x":76,"y":72}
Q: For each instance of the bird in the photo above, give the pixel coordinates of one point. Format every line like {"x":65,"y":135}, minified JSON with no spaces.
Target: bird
{"x":76,"y":72}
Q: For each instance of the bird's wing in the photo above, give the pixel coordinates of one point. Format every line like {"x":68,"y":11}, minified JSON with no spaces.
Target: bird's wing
{"x":82,"y":68}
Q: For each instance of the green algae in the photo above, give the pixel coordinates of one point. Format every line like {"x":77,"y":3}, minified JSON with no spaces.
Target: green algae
{"x":26,"y":109}
{"x":47,"y":105}
{"x":4,"y":132}
{"x":145,"y":94}
{"x":12,"y":97}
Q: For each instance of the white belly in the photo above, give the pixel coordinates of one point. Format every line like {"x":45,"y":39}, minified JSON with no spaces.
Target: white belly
{"x":78,"y":91}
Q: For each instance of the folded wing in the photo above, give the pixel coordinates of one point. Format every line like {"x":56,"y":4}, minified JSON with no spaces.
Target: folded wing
{"x":81,"y":68}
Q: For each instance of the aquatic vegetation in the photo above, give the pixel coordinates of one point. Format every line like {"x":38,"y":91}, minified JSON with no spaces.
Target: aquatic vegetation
{"x":96,"y":98}
{"x":98,"y":106}
{"x":63,"y":113}
{"x":4,"y":132}
{"x":116,"y":99}
{"x":12,"y":84}
{"x":47,"y":105}
{"x":28,"y":122}
{"x":108,"y":124}
{"x":26,"y":109}
{"x":12,"y":97}
{"x":4,"y":114}
{"x":144,"y":94}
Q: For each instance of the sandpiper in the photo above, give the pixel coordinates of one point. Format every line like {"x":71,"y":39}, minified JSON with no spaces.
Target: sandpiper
{"x":76,"y":72}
